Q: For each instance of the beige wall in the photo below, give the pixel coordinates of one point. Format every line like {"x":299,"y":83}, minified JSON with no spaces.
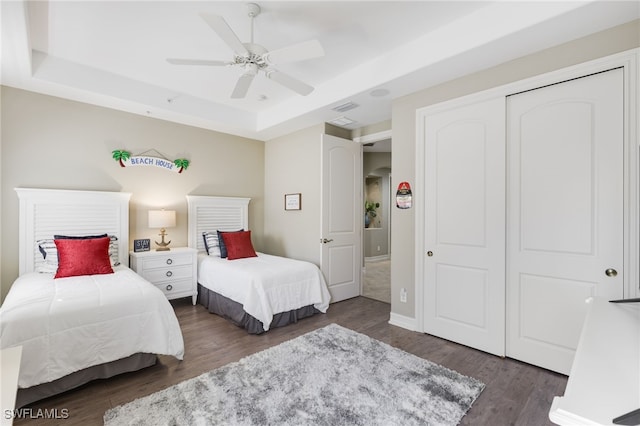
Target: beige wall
{"x":598,"y":45}
{"x":371,"y":129}
{"x":292,"y":164}
{"x":375,"y":160}
{"x":49,"y":142}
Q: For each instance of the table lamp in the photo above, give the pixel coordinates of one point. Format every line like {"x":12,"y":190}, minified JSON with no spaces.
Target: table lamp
{"x":162,"y":219}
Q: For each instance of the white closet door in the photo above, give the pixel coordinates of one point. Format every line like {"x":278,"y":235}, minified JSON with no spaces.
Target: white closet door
{"x":464,"y":259}
{"x":565,"y":213}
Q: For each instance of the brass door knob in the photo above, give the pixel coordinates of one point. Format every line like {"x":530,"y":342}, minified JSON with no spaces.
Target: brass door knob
{"x":611,"y":272}
{"x":429,"y":253}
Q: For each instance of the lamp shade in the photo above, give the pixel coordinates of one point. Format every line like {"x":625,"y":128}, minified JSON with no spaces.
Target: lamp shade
{"x":162,"y":218}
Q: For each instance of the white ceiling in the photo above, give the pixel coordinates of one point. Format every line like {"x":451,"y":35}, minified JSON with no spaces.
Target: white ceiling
{"x":113,"y":53}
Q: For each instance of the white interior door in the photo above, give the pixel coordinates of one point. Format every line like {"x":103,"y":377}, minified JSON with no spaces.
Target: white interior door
{"x":565,"y":213}
{"x":342,"y":214}
{"x":464,"y":259}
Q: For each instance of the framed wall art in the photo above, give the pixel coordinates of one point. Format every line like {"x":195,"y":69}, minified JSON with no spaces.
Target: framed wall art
{"x":293,"y":201}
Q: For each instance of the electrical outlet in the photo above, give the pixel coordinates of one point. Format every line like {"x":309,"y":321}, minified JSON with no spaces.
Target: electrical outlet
{"x":403,"y":295}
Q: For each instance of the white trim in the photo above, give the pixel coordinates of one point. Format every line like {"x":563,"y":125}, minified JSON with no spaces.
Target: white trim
{"x":403,"y":321}
{"x":632,"y":76}
{"x":374,"y":137}
{"x":418,"y":205}
{"x":630,"y":62}
{"x":377,"y":258}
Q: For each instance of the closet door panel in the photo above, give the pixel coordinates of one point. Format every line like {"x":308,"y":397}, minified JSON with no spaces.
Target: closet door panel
{"x":565,"y":213}
{"x":464,"y":237}
{"x":556,"y":205}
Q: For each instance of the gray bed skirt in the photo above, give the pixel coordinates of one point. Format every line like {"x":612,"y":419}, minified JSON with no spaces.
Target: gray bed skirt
{"x":103,"y":371}
{"x":232,"y":311}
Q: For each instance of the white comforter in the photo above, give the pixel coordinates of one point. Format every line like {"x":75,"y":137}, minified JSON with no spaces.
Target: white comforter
{"x":265,"y":285}
{"x":67,"y":324}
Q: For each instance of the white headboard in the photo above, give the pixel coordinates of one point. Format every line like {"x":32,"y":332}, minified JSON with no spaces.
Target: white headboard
{"x":215,"y":213}
{"x":45,"y":212}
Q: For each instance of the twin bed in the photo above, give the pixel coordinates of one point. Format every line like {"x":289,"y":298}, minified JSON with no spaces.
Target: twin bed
{"x":80,"y":327}
{"x":255,"y":291}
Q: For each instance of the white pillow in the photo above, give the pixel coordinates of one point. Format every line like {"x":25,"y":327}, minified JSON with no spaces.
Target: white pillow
{"x":211,"y":243}
{"x":49,"y":254}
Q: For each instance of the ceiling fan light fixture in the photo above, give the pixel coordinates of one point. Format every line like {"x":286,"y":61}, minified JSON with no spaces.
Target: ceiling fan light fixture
{"x":252,"y":57}
{"x":251,"y":69}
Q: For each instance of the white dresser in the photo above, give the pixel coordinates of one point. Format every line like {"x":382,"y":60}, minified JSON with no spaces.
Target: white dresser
{"x":10,"y":368}
{"x":174,"y":271}
{"x":605,"y":376}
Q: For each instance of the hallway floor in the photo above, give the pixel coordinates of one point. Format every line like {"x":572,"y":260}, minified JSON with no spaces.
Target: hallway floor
{"x":377,"y":280}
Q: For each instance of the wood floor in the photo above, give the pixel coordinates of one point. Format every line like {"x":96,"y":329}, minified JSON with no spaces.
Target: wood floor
{"x":516,"y":393}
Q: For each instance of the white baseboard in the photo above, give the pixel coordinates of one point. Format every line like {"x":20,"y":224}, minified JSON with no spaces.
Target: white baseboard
{"x":377,"y":258}
{"x":402,"y":321}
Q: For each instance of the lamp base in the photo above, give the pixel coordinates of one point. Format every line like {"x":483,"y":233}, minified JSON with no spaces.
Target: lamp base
{"x":163,"y":246}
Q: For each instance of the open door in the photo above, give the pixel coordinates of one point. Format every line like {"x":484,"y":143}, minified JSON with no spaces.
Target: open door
{"x":341,"y":216}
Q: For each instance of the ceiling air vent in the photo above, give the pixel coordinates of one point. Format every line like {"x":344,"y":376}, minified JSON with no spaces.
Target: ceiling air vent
{"x":345,"y":107}
{"x":341,"y":121}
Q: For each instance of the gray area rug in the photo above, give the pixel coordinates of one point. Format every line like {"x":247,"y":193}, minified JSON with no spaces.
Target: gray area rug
{"x":330,"y":376}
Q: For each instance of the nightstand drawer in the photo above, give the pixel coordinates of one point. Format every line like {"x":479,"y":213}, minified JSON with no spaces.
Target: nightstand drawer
{"x":174,"y":272}
{"x":168,"y":273}
{"x":166,"y":261}
{"x":175,"y":288}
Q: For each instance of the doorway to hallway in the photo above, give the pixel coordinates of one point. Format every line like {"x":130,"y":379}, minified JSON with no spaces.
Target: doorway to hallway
{"x":377,"y":279}
{"x":376,"y":263}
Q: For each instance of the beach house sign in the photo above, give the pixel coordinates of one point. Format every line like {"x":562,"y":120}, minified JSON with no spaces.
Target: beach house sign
{"x":127,"y":160}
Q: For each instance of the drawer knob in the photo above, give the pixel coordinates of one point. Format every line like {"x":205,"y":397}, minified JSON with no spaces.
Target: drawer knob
{"x":169,"y":261}
{"x":169,"y":273}
{"x":169,"y":287}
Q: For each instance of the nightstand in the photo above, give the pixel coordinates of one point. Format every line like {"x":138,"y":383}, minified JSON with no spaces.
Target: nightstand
{"x":174,"y":271}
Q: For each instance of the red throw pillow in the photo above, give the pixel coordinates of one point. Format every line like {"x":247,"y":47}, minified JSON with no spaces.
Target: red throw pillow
{"x":83,"y":257}
{"x":238,"y":245}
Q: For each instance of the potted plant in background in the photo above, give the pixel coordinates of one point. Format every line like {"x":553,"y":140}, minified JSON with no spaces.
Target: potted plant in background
{"x":369,"y":212}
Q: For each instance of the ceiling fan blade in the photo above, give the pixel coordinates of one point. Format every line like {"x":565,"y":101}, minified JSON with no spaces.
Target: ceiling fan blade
{"x":176,"y":61}
{"x":292,"y":83}
{"x":224,"y":31}
{"x":242,"y":86}
{"x":296,"y":52}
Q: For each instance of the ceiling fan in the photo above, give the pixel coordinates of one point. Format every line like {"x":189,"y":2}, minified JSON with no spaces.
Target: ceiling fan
{"x":254,"y":58}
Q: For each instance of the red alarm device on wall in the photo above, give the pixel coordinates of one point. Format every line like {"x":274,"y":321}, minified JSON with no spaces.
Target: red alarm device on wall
{"x":403,"y":196}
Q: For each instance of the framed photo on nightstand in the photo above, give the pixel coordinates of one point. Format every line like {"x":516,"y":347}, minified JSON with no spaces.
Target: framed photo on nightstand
{"x":141,"y":245}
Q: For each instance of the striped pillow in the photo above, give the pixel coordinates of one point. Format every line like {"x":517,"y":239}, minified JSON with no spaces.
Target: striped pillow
{"x":211,"y":243}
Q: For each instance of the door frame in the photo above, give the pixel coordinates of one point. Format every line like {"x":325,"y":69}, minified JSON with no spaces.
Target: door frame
{"x":630,"y":62}
{"x":375,"y":137}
